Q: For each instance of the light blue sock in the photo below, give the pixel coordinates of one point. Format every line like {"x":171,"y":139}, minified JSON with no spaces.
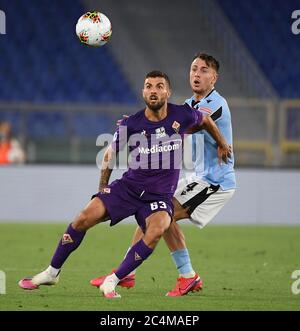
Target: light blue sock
{"x":182,"y":261}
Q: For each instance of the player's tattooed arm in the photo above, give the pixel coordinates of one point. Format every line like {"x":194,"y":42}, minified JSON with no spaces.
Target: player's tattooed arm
{"x":108,"y":163}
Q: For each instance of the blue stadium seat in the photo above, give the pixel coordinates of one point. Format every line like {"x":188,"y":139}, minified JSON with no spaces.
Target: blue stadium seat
{"x":264,"y":26}
{"x":91,"y":125}
{"x":46,"y":125}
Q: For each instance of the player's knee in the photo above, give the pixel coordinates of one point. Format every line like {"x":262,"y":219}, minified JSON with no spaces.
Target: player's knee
{"x":158,"y":231}
{"x":81,"y":221}
{"x":153,"y":235}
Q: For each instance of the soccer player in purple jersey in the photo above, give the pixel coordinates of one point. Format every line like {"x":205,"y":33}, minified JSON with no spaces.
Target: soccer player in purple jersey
{"x":145,"y":190}
{"x":202,"y":195}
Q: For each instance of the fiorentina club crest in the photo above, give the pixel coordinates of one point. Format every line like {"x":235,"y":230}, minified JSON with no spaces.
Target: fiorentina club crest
{"x":66,"y":239}
{"x":176,"y":126}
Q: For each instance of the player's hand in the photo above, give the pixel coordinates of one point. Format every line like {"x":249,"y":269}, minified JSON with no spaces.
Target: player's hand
{"x":119,"y":121}
{"x":224,"y":152}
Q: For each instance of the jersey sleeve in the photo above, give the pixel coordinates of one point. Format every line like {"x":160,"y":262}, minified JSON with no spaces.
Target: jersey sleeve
{"x":215,"y":109}
{"x":121,"y":135}
{"x":194,"y":116}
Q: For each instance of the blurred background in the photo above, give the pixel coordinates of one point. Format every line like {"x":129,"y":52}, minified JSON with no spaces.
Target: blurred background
{"x":57,"y":95}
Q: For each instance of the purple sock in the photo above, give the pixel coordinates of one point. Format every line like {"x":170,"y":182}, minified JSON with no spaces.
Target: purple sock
{"x":137,"y":254}
{"x":71,"y":239}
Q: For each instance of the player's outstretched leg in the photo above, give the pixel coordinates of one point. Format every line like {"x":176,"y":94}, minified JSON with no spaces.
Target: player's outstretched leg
{"x":188,"y":280}
{"x":129,"y":280}
{"x":136,"y":256}
{"x":157,"y":223}
{"x":95,"y":212}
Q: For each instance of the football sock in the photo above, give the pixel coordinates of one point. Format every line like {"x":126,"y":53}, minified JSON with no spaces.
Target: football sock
{"x":137,"y":254}
{"x":182,"y":261}
{"x":69,"y":242}
{"x":188,"y":275}
{"x":133,"y":271}
{"x":53,"y":272}
{"x":113,"y":280}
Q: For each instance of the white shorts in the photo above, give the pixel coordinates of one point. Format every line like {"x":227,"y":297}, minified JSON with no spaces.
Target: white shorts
{"x":203,"y":199}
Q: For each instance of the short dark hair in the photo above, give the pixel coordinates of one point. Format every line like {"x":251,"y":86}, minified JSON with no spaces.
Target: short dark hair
{"x":157,"y":73}
{"x":209,"y":60}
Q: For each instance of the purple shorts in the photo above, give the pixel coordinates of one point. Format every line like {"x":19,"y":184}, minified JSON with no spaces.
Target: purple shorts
{"x":122,"y":200}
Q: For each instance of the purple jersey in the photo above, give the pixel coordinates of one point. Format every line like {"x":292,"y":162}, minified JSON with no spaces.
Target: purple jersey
{"x":155,"y":148}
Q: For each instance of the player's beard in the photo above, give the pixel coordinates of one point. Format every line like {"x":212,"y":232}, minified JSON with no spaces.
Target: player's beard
{"x":155,"y":107}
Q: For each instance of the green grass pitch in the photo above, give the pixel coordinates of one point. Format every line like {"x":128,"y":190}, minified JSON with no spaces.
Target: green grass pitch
{"x":243,"y":268}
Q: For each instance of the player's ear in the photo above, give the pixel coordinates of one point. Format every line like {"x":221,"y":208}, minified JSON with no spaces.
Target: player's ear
{"x":215,"y":78}
{"x":169,"y":92}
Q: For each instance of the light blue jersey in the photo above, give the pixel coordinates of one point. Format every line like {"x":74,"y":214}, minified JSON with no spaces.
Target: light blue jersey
{"x":204,"y":147}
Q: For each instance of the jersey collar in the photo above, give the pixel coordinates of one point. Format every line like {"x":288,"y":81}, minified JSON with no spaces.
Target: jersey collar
{"x":194,"y":102}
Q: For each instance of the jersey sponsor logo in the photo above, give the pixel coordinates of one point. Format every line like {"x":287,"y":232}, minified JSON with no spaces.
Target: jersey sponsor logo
{"x":160,"y":132}
{"x":66,"y":239}
{"x":163,"y":147}
{"x":176,"y":126}
{"x":137,"y":256}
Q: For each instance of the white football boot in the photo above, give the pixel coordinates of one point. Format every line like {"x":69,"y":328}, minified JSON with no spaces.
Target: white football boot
{"x":108,"y":287}
{"x":43,"y":278}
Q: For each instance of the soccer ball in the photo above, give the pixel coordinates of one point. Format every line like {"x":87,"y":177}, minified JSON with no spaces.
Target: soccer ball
{"x":94,"y":29}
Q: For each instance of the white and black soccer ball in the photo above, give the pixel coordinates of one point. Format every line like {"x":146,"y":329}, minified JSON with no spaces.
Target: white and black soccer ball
{"x":94,"y":29}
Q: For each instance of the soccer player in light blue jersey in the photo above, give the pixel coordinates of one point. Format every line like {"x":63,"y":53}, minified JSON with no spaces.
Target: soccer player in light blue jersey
{"x":201,"y":196}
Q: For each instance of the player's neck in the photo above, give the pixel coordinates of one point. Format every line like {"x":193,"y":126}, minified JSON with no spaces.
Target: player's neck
{"x":200,"y":95}
{"x":156,"y":115}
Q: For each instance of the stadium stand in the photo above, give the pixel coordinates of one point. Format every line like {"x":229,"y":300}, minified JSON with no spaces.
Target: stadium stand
{"x":62,"y":70}
{"x":43,"y":63}
{"x":262,"y":29}
{"x":60,"y":95}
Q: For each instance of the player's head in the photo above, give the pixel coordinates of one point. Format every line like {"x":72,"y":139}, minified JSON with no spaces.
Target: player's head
{"x":203,"y":73}
{"x":156,"y":90}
